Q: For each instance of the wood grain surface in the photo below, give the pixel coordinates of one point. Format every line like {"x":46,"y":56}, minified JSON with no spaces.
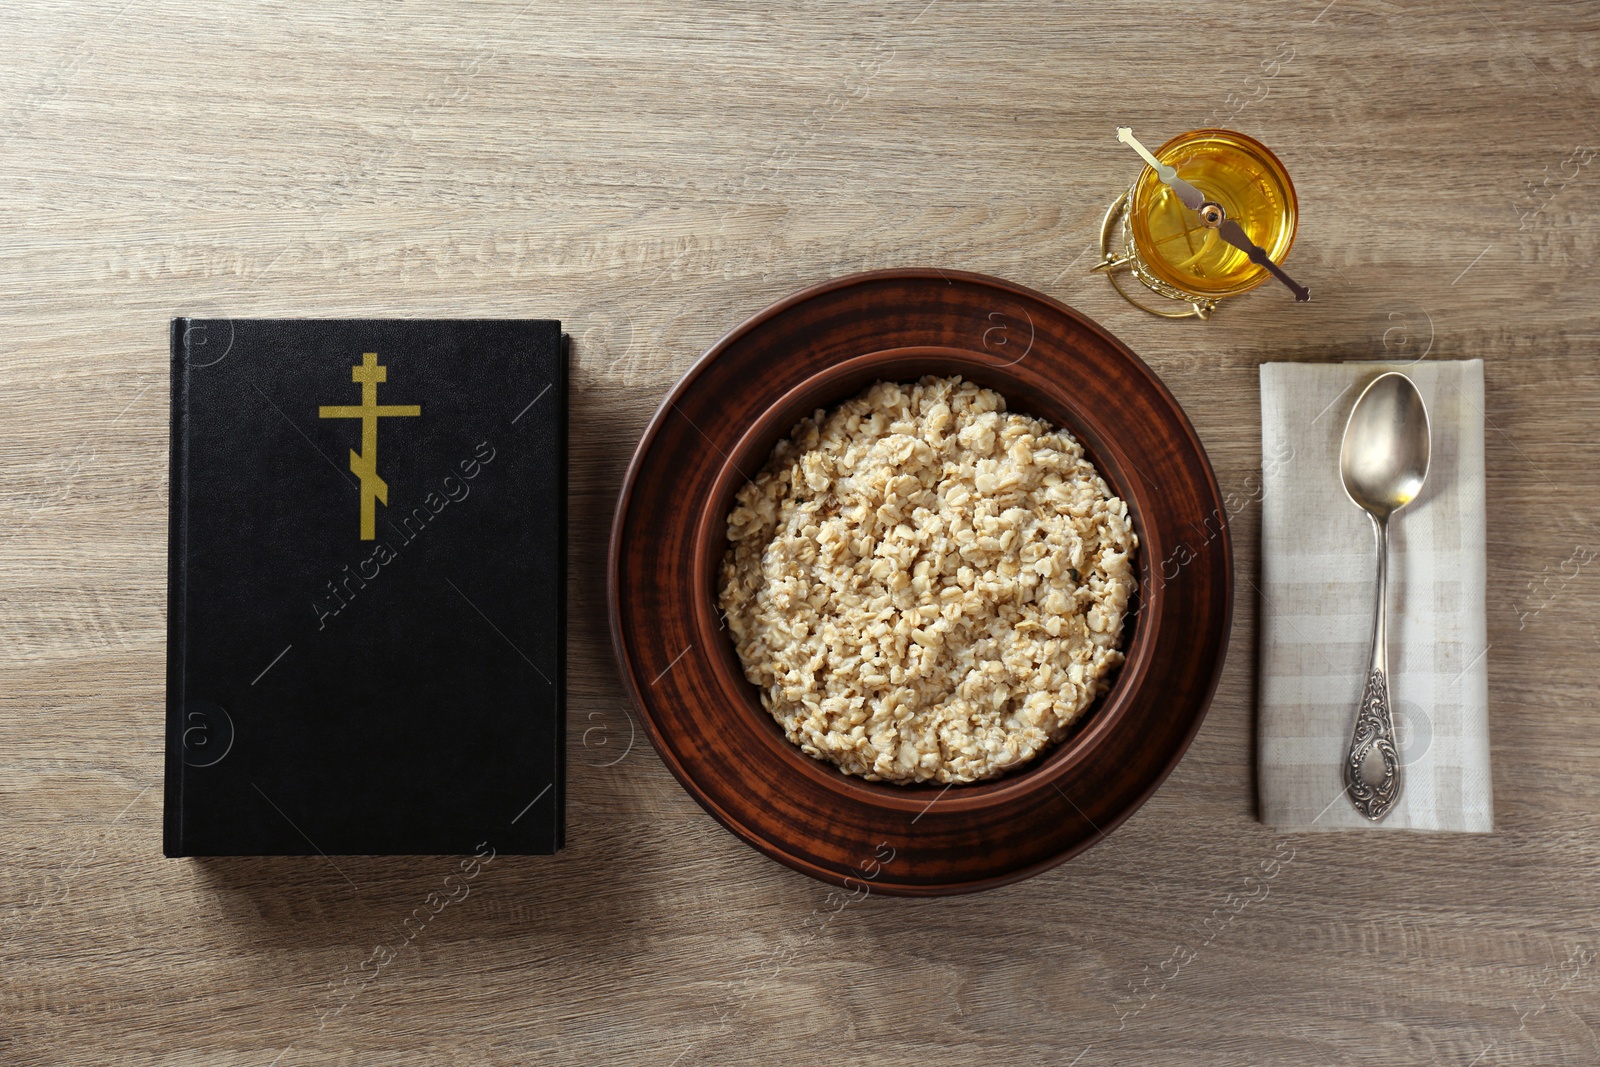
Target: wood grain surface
{"x":651,"y":174}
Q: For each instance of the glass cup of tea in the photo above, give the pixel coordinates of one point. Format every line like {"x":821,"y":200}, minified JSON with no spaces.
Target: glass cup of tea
{"x":1169,"y":247}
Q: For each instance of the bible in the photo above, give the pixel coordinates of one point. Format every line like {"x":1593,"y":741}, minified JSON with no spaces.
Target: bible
{"x":366,"y":587}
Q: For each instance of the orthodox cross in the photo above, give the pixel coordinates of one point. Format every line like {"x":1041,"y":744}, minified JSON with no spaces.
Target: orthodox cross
{"x":364,"y":464}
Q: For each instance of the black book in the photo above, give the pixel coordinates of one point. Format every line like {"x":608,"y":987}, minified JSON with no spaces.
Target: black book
{"x":366,"y":587}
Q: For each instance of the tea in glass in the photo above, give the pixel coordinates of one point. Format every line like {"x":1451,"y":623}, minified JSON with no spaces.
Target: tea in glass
{"x":1172,"y":251}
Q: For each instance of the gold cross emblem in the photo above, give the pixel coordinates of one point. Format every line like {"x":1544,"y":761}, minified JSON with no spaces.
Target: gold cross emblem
{"x":364,"y":464}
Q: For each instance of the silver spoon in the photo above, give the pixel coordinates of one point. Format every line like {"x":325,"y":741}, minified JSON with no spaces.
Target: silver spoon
{"x":1383,"y":461}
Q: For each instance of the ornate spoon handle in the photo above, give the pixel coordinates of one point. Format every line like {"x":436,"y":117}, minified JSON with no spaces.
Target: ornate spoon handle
{"x":1374,"y":718}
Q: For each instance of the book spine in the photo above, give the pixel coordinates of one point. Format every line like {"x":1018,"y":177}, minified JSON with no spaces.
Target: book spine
{"x":177,"y":556}
{"x":559,"y":838}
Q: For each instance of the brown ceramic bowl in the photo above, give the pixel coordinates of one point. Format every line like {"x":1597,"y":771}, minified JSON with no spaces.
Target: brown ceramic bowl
{"x":719,"y":426}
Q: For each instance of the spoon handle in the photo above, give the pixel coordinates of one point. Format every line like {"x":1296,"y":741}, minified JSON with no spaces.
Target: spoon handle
{"x":1374,"y":719}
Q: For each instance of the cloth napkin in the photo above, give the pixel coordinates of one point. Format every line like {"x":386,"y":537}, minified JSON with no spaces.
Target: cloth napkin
{"x":1318,"y":574}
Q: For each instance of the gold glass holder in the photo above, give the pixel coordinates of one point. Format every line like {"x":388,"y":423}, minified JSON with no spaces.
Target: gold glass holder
{"x":1128,"y":261}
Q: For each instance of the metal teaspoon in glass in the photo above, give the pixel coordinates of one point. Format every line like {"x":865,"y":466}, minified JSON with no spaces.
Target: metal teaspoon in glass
{"x":1383,"y":463}
{"x":1212,"y":214}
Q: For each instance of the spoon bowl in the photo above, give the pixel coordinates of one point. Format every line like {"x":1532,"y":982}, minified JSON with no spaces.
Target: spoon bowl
{"x":1384,"y":458}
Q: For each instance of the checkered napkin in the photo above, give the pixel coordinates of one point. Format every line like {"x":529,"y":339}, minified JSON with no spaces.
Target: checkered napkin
{"x":1318,"y":569}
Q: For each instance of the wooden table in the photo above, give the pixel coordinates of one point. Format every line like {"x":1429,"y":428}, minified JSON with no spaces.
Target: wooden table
{"x":651,"y":175}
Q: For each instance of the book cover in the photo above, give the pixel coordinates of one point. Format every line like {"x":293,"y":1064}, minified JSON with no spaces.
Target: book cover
{"x":366,"y":587}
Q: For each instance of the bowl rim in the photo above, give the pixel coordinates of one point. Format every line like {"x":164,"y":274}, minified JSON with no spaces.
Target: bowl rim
{"x":775,"y":849}
{"x":709,"y":541}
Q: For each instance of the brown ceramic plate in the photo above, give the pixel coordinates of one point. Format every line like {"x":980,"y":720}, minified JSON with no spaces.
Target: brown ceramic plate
{"x":718,"y":426}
